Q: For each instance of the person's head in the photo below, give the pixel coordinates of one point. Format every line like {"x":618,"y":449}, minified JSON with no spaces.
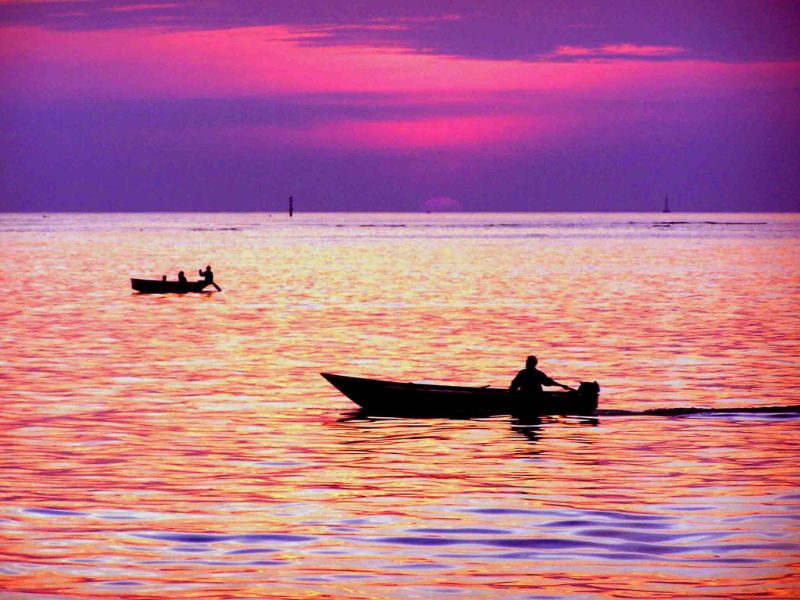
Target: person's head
{"x":208,"y":267}
{"x":531,"y":362}
{"x":180,"y":273}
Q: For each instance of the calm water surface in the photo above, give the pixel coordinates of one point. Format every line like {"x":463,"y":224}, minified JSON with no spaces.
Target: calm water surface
{"x":185,"y":446}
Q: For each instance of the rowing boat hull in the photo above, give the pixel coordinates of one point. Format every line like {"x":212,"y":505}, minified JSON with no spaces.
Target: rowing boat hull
{"x":159,"y":286}
{"x":391,"y":398}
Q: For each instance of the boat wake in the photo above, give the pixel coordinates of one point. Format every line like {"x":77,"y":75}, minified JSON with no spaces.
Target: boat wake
{"x":699,"y":410}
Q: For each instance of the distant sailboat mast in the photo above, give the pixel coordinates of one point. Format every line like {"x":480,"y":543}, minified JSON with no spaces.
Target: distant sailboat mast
{"x":666,"y":204}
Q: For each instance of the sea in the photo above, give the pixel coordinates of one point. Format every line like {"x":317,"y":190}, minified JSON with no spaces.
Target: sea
{"x":186,"y":446}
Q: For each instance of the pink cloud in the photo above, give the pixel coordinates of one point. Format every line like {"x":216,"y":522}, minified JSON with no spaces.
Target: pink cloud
{"x":462,"y":132}
{"x":273,"y":60}
{"x":618,"y":50}
{"x":439,"y":132}
{"x":498,"y":102}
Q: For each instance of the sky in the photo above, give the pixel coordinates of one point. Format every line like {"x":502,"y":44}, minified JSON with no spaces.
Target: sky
{"x":405,"y":105}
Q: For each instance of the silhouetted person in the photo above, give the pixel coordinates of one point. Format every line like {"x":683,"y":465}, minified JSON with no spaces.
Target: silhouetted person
{"x":163,"y":278}
{"x":528,"y":382}
{"x":207,"y":275}
{"x":181,"y":278}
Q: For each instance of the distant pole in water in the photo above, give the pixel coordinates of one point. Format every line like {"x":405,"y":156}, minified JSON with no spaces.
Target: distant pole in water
{"x":291,"y":206}
{"x":666,"y":204}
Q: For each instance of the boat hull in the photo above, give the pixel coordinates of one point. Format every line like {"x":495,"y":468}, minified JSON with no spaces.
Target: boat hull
{"x":391,"y":398}
{"x":159,"y":286}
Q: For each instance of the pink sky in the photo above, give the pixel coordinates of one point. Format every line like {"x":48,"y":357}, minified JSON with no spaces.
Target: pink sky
{"x":266,"y":61}
{"x":429,"y":101}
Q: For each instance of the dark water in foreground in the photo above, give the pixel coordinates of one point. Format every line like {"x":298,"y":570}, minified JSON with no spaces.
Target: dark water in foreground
{"x":185,"y":446}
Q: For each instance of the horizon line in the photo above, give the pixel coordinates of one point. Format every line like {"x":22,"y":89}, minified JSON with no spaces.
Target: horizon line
{"x":416,"y":212}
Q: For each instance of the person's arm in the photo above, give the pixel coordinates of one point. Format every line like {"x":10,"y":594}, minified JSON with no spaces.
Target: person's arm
{"x":515,"y":383}
{"x":561,"y":385}
{"x":553,"y":383}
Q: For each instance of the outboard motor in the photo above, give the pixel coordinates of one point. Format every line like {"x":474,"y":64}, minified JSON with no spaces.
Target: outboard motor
{"x":589,"y":388}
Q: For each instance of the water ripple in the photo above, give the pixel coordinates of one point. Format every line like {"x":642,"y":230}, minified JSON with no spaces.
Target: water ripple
{"x":210,"y":538}
{"x":186,"y":446}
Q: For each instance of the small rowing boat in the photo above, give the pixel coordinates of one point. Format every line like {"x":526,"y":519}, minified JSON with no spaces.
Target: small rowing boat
{"x":162,"y":286}
{"x":392,"y":398}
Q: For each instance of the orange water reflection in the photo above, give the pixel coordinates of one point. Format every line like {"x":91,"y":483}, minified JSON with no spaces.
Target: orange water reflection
{"x":176,"y":446}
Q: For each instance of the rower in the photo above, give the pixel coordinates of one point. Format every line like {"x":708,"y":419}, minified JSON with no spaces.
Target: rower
{"x":207,"y":275}
{"x":529,"y":381}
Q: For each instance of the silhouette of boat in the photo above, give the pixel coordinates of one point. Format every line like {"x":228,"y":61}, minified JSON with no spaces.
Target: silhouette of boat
{"x":392,"y":398}
{"x":160,"y":286}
